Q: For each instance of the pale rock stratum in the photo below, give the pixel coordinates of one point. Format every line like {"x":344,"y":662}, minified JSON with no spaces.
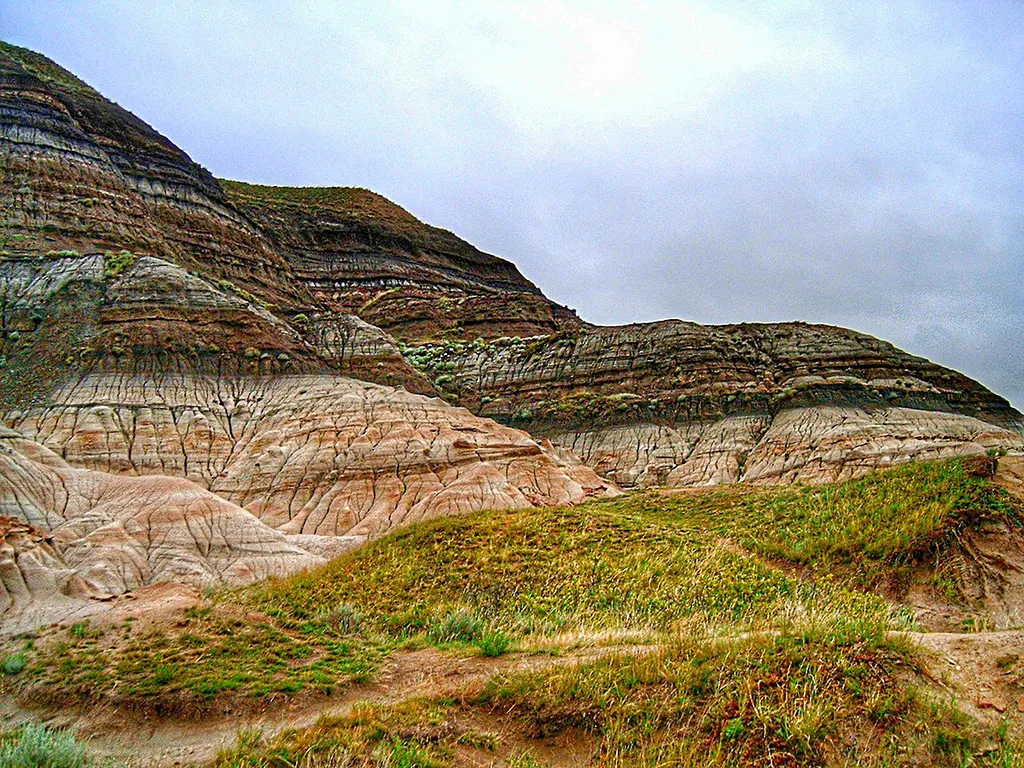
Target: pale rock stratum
{"x":208,"y":481}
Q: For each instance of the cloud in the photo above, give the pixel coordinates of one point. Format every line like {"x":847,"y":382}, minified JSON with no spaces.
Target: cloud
{"x":853,"y":163}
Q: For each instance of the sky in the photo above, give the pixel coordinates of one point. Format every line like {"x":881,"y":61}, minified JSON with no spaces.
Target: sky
{"x":857,"y":164}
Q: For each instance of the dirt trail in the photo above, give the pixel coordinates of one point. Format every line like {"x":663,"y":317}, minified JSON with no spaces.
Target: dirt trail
{"x":984,"y":671}
{"x":129,"y":740}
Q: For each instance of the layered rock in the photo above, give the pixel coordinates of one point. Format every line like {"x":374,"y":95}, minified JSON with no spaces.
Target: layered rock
{"x":74,"y":538}
{"x":322,"y":455}
{"x":358,"y":253}
{"x":147,"y":307}
{"x":81,"y":173}
{"x":129,"y":480}
{"x":686,"y":404}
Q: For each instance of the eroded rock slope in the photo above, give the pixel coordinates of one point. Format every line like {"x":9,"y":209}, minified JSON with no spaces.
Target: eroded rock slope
{"x":210,"y":381}
{"x":358,"y":253}
{"x":685,"y":404}
{"x":75,"y":538}
{"x":203,"y":480}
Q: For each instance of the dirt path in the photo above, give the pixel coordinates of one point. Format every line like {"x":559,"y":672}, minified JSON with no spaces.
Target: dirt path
{"x":984,"y":671}
{"x":123,"y":737}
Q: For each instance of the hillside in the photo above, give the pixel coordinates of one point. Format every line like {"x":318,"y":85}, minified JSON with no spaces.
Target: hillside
{"x":266,"y":452}
{"x":765,"y":626}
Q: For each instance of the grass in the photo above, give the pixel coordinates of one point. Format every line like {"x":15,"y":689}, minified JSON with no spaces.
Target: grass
{"x":37,"y":746}
{"x":413,"y":733}
{"x":809,"y":696}
{"x":645,"y":564}
{"x":116,"y":263}
{"x":346,"y":202}
{"x":874,"y":528}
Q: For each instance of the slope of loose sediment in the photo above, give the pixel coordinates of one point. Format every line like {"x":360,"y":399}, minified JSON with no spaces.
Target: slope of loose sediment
{"x":685,"y":404}
{"x":319,"y":455}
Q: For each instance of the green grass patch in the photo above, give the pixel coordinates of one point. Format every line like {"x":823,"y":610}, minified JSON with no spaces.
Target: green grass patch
{"x":873,"y":527}
{"x":809,"y":696}
{"x":812,"y":696}
{"x":647,"y":563}
{"x":37,"y":746}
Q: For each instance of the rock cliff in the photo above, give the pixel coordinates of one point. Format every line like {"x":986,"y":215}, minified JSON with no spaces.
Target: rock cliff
{"x":685,"y":404}
{"x":359,"y":253}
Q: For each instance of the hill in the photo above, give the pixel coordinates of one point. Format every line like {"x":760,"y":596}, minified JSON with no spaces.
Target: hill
{"x":751,"y":626}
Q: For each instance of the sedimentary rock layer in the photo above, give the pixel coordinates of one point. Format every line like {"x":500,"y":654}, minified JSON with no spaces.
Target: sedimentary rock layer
{"x":127,"y":481}
{"x":684,"y":404}
{"x":80,"y":172}
{"x":320,"y":455}
{"x":358,"y":253}
{"x":73,"y":538}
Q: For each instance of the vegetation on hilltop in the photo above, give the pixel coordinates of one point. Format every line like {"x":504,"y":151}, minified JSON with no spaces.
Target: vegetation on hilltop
{"x":350,"y":202}
{"x":645,"y":565}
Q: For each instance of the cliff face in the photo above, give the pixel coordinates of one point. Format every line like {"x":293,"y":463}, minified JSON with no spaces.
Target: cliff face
{"x":239,"y":371}
{"x":82,"y":173}
{"x":685,"y":404}
{"x":359,"y":253}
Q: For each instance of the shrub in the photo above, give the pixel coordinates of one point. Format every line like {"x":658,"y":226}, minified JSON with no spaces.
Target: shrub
{"x":13,"y":664}
{"x":116,"y":263}
{"x":346,"y":618}
{"x":494,"y":643}
{"x":458,"y":627}
{"x":37,"y":746}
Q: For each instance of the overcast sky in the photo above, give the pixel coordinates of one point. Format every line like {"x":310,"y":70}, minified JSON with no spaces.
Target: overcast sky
{"x":860,"y":164}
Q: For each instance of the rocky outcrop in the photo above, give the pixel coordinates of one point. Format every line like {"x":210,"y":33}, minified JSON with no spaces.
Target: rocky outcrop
{"x":80,"y":172}
{"x":320,"y":455}
{"x":64,"y":315}
{"x":132,"y":480}
{"x":75,"y":538}
{"x":686,"y":404}
{"x":361,"y":254}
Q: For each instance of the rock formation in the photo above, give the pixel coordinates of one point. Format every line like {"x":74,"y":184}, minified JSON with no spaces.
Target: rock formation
{"x":206,"y":480}
{"x":212,"y":382}
{"x":684,"y":404}
{"x":358,"y":253}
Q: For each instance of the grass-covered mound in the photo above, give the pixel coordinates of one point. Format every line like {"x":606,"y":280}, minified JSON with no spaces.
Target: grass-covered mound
{"x":650,"y":563}
{"x":816,"y":695}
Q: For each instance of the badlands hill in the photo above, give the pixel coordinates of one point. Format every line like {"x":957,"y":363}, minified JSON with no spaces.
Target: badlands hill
{"x":221,"y":401}
{"x":230,"y":350}
{"x":288,"y":365}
